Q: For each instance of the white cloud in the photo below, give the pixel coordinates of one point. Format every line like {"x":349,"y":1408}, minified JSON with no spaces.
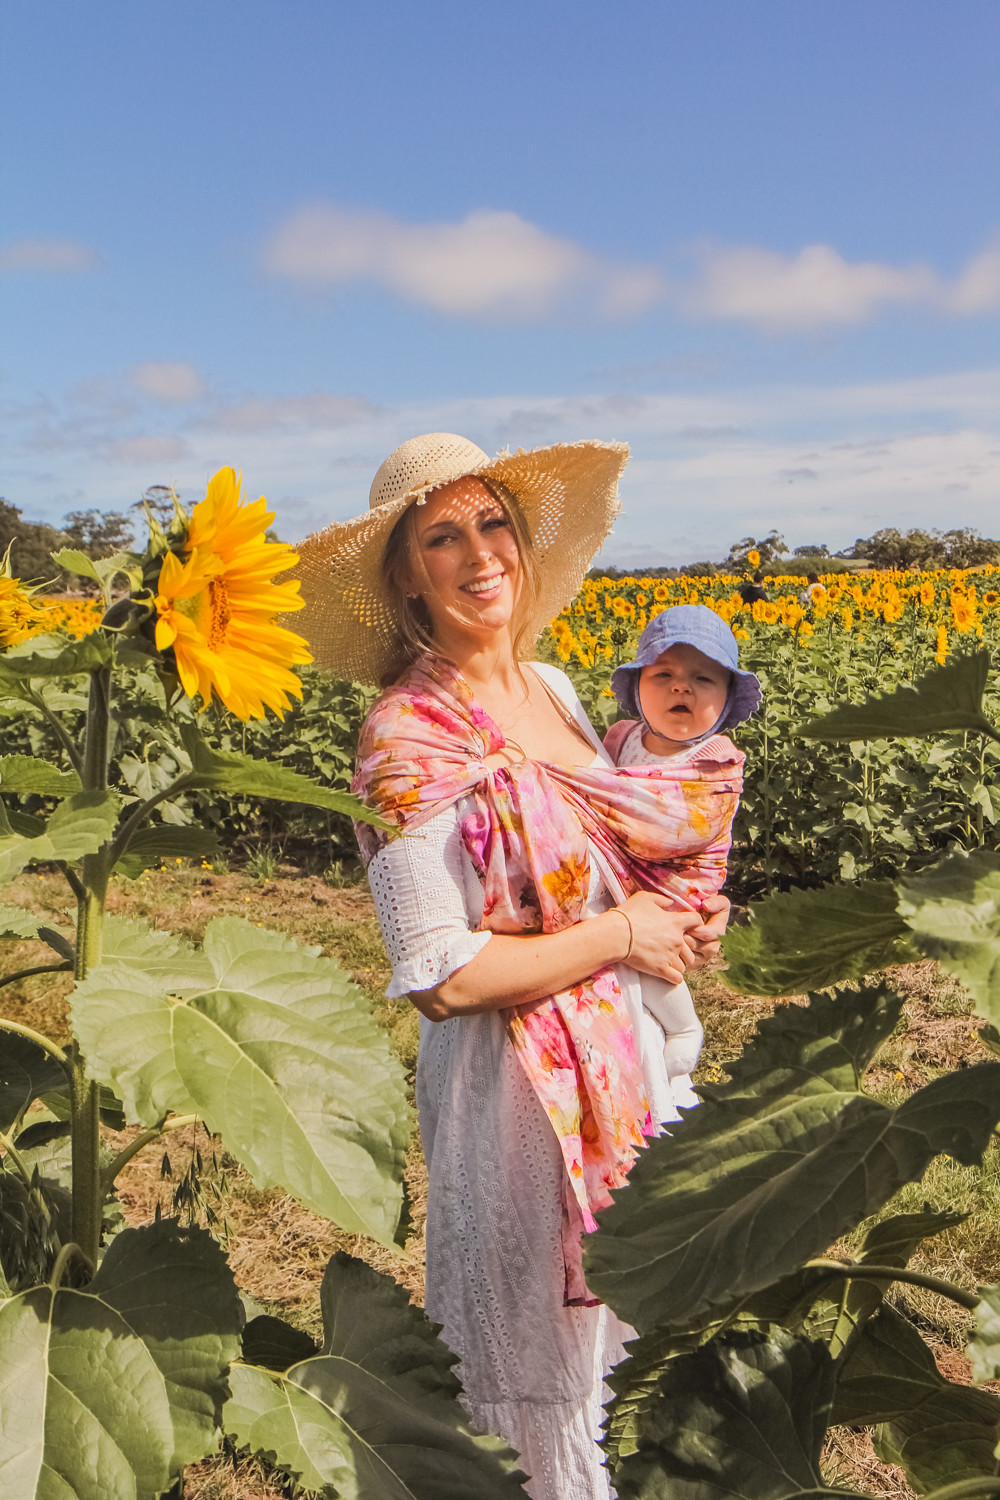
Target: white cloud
{"x":815,"y":289}
{"x":58,"y":257}
{"x":315,"y":409}
{"x":492,"y":264}
{"x":173,"y":382}
{"x":977,"y":289}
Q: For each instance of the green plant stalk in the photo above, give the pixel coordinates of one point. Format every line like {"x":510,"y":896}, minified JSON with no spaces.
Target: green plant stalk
{"x":84,"y":1092}
{"x":39,"y":969}
{"x":36,"y":1036}
{"x":984,"y":1484}
{"x":855,"y":1270}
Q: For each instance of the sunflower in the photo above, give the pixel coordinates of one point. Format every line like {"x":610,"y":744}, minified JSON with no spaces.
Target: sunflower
{"x":963,"y":612}
{"x":753,"y":558}
{"x":20,"y":616}
{"x":217,"y":608}
{"x":941,"y":647}
{"x":991,"y":598}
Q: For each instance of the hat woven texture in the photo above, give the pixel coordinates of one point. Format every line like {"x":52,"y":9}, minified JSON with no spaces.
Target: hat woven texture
{"x":690,"y":625}
{"x":568,"y":493}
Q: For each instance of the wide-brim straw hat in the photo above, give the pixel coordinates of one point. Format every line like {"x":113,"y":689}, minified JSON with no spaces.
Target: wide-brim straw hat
{"x":567,"y":492}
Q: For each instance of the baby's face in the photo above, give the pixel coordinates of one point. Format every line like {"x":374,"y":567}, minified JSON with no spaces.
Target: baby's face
{"x":682,"y":694}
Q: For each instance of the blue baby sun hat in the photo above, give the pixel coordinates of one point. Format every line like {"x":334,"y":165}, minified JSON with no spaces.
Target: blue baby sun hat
{"x":690,"y":625}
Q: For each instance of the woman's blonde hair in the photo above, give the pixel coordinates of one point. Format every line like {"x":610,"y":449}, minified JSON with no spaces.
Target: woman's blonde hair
{"x":414,"y":629}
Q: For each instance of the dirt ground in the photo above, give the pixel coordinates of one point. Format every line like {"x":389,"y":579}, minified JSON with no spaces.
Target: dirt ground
{"x":278,"y":1250}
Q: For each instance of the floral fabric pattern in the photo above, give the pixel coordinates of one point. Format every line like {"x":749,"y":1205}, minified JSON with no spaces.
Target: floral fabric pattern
{"x":422,"y":748}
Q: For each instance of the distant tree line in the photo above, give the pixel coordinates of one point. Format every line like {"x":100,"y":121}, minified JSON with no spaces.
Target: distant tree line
{"x":888,"y":548}
{"x":97,"y":533}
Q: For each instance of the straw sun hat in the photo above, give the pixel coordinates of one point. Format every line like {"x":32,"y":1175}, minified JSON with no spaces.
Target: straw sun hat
{"x":569,"y":496}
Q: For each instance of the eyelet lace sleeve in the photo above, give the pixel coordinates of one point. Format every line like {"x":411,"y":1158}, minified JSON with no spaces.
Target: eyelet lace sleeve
{"x":427,"y":898}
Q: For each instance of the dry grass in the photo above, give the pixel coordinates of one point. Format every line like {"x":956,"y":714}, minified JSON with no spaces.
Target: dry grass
{"x":278,"y":1250}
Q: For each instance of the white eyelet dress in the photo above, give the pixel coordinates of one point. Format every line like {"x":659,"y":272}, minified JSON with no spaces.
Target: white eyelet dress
{"x":532,"y":1369}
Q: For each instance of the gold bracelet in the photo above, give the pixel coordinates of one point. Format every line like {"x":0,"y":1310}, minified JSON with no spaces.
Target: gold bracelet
{"x":631,"y":933}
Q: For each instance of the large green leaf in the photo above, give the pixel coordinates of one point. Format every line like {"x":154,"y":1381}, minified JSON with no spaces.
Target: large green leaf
{"x":26,"y":773}
{"x":165,"y":841}
{"x":278,"y":1053}
{"x":953,"y":910}
{"x":26,"y":1071}
{"x":745,"y":1417}
{"x":61,"y":659}
{"x":108,"y":1391}
{"x":790,"y":1141}
{"x":802,"y":940}
{"x":890,"y":1373}
{"x":376,"y":1413}
{"x":946,"y":698}
{"x":984,"y":1346}
{"x":79,"y":826}
{"x":243,"y":775}
{"x":813,"y":1303}
{"x":940,"y":1432}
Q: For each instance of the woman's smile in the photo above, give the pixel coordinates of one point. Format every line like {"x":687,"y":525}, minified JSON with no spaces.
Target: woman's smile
{"x":484,"y":587}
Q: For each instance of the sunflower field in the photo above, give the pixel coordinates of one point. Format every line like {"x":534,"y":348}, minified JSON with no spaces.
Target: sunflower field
{"x":814,"y":812}
{"x":809,"y":813}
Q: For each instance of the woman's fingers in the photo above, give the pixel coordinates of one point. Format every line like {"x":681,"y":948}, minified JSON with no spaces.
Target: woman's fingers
{"x":716,"y":910}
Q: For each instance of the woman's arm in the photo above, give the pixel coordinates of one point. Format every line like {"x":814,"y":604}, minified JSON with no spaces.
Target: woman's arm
{"x":517,"y":970}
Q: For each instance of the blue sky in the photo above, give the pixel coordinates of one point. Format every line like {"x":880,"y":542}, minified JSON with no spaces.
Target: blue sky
{"x":761,"y":243}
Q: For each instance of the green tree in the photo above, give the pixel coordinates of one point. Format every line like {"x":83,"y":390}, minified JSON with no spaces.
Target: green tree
{"x":770,"y":548}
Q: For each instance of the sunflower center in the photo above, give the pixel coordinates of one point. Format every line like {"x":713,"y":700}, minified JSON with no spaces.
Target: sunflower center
{"x":219,"y":612}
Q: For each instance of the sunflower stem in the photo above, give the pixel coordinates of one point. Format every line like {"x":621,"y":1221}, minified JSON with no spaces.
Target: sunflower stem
{"x":84,"y":1092}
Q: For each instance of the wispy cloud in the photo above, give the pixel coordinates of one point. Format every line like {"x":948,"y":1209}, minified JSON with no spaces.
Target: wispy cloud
{"x":815,"y":289}
{"x":820,"y":462}
{"x":492,"y":264}
{"x":496,"y":265}
{"x":54,"y":257}
{"x":314,"y":409}
{"x":173,"y":382}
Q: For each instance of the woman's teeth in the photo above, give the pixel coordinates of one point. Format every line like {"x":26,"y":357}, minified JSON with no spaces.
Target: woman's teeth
{"x":484,"y":585}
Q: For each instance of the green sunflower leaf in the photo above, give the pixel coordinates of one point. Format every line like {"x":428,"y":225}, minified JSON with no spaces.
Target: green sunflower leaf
{"x":22,"y":774}
{"x":953,"y":911}
{"x":112,"y":1389}
{"x":273,"y":1047}
{"x":243,"y":775}
{"x":946,"y":698}
{"x":376,"y":1412}
{"x":79,"y":825}
{"x":801,"y":940}
{"x":792,"y":1140}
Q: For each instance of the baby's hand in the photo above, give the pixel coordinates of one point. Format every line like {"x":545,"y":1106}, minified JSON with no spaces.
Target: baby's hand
{"x":706,"y":939}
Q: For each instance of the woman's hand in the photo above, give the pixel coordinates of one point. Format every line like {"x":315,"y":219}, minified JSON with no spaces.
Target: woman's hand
{"x":705,"y":940}
{"x":661,"y":942}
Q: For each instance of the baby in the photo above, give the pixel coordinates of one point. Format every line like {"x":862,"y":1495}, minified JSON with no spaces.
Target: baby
{"x":683,"y":688}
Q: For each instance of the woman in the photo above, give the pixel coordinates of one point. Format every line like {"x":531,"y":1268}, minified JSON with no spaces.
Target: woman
{"x":439,"y":593}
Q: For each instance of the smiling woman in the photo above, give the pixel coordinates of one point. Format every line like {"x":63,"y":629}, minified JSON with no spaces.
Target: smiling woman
{"x":540,"y":1071}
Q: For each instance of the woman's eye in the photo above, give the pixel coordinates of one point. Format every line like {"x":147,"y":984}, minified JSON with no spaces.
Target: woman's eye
{"x":494,"y":522}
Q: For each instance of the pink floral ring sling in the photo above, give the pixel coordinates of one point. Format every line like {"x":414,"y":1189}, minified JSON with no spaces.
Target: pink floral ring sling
{"x":423,"y":748}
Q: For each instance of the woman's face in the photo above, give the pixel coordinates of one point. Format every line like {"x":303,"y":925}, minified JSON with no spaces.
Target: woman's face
{"x":468,"y":569}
